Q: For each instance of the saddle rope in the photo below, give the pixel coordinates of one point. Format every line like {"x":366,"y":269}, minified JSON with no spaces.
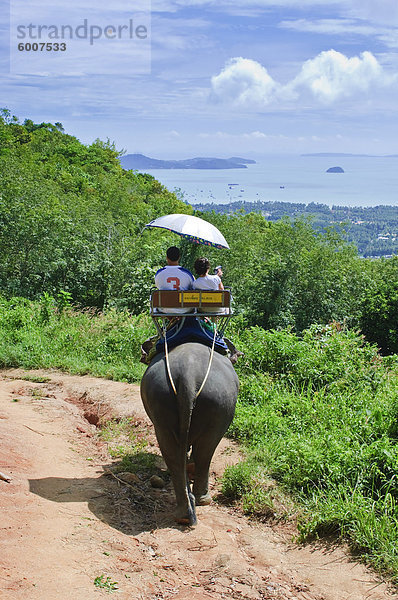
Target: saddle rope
{"x":167,"y":359}
{"x":168,"y":362}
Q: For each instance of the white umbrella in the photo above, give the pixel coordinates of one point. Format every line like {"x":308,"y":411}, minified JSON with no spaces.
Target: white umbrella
{"x":195,"y":229}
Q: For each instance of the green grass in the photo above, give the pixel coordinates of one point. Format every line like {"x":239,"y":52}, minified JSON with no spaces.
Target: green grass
{"x":129,"y":444}
{"x":319,"y":415}
{"x":35,"y":378}
{"x":141,"y":463}
{"x":106,"y":583}
{"x":122,"y":438}
{"x":80,"y":342}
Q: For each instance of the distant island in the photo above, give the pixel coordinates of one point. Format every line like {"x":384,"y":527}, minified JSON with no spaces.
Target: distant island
{"x":141,"y":162}
{"x":335,"y":170}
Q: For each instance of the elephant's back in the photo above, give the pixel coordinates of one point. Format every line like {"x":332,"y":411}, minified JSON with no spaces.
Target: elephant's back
{"x":192,"y":360}
{"x":189,"y":364}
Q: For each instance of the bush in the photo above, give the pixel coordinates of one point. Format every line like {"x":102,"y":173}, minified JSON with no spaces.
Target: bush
{"x":329,"y":355}
{"x":318,"y":413}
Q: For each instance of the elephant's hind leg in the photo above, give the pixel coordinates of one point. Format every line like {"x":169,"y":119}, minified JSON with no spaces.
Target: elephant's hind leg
{"x":176,"y":464}
{"x":201,"y":456}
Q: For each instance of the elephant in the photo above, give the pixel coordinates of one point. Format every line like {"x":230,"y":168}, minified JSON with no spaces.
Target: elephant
{"x":183,"y":422}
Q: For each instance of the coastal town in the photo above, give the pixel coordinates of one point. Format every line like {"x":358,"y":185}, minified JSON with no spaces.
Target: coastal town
{"x":374,"y":229}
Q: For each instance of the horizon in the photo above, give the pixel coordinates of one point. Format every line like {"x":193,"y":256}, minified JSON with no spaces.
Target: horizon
{"x":253,"y":155}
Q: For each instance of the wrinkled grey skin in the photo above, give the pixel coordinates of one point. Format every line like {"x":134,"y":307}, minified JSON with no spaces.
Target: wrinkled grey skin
{"x":181,"y":422}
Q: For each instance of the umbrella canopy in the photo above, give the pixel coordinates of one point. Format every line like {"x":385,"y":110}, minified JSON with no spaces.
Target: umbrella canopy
{"x":195,"y":229}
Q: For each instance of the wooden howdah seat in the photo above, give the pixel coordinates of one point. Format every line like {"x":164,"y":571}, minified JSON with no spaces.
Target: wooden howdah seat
{"x":166,"y":304}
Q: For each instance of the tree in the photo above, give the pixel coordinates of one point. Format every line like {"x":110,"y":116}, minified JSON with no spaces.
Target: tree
{"x":379,"y":319}
{"x":71,"y":217}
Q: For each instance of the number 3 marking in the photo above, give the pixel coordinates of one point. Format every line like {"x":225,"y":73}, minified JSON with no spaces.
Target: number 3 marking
{"x":176,"y":281}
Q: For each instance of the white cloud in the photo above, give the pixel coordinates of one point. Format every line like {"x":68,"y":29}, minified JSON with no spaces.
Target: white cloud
{"x":238,"y":7}
{"x":223,"y":135}
{"x":327,"y":78}
{"x":245,"y":82}
{"x":380,"y":11}
{"x":376,"y":19}
{"x":178,"y":34}
{"x":389,"y":38}
{"x":331,"y":75}
{"x":259,"y":141}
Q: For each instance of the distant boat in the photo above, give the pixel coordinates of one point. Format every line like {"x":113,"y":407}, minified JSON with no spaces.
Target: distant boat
{"x":281,"y":187}
{"x":242,"y":190}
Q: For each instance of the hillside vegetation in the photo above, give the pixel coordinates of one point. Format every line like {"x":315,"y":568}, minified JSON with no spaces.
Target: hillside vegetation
{"x":70,"y":217}
{"x":319,"y":414}
{"x":318,"y":407}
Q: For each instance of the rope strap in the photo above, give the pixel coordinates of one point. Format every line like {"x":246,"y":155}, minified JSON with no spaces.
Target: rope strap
{"x":210,"y":361}
{"x":168,"y":362}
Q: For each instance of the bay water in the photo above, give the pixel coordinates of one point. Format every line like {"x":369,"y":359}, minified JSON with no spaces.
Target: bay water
{"x":366,"y":181}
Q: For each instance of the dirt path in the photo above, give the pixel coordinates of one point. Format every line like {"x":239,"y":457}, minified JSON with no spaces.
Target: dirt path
{"x":65,"y":523}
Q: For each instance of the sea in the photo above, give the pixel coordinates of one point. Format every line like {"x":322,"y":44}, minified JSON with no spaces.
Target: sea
{"x":366,"y":181}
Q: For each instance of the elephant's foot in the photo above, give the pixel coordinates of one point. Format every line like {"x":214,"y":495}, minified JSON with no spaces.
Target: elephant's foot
{"x":185,"y":513}
{"x":185,"y":517}
{"x":181,"y":520}
{"x":203,"y":500}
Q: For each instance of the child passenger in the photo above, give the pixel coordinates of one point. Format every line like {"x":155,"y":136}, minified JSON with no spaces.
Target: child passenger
{"x":204,"y":281}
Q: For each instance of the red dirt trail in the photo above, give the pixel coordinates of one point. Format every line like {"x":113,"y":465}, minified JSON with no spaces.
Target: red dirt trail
{"x":65,"y":521}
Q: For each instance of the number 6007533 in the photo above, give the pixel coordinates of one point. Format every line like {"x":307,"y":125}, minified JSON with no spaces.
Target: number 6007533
{"x":42,"y":47}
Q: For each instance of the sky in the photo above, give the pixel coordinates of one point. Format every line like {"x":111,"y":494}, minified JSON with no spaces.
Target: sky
{"x":212,"y":77}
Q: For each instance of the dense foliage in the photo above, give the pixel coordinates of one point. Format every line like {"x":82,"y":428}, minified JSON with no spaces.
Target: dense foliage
{"x":51,"y":334}
{"x":319,"y":414}
{"x":286,"y":274}
{"x":70,"y":218}
{"x":379,"y":313}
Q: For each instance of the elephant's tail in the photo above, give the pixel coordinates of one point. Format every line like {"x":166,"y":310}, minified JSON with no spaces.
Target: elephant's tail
{"x":186,"y":400}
